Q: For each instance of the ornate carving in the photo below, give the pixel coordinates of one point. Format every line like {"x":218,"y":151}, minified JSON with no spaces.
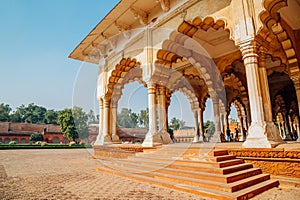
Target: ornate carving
{"x":165,"y":4}
{"x":123,"y":28}
{"x":141,"y":15}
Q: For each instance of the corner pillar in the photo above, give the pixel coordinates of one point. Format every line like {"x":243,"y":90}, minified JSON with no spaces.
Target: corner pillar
{"x":114,"y":113}
{"x":197,"y":133}
{"x":256,"y":137}
{"x":152,"y":136}
{"x":217,"y":135}
{"x":271,"y":130}
{"x":162,"y":116}
{"x":201,"y":126}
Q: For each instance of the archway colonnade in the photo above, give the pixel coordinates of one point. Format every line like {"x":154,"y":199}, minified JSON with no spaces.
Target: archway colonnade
{"x":240,"y":53}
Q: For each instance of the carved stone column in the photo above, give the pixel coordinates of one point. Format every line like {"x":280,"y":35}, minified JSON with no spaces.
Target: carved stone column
{"x":287,"y":126}
{"x":98,"y":139}
{"x":196,"y":137}
{"x":295,"y":76}
{"x":271,"y":130}
{"x":201,"y":127}
{"x":151,"y":136}
{"x":162,"y":114}
{"x":106,"y":121}
{"x":217,"y":135}
{"x":242,"y":138}
{"x":256,"y":137}
{"x":114,"y":113}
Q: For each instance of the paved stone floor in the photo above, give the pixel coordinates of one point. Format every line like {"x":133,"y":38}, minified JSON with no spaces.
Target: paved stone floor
{"x":71,"y":174}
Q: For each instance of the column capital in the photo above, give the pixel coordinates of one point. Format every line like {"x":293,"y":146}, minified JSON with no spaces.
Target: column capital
{"x":161,"y":89}
{"x":151,"y":88}
{"x":249,"y":51}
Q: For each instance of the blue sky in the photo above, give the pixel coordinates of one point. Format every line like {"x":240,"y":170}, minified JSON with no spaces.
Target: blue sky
{"x":36,"y":38}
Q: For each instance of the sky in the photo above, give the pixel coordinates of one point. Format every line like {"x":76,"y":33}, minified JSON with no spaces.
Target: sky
{"x":36,"y":37}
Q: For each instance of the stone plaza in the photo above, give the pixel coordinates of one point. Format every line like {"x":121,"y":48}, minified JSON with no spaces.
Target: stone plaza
{"x":71,"y":174}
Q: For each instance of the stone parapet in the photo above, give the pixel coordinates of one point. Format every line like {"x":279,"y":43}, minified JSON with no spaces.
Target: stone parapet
{"x":278,"y":162}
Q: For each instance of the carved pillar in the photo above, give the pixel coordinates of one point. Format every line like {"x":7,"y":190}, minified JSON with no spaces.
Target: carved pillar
{"x":217,"y":135}
{"x":196,"y":137}
{"x":201,"y":127}
{"x":222,"y":122}
{"x":244,"y":127}
{"x":256,"y":137}
{"x":106,"y":121}
{"x":287,"y":126}
{"x":99,"y":136}
{"x":296,"y":80}
{"x":242,"y":138}
{"x":297,"y":128}
{"x":271,"y":130}
{"x":151,"y":136}
{"x":162,"y":114}
{"x":114,"y":113}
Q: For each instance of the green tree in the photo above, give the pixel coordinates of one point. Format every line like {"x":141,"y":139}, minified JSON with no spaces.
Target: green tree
{"x":209,"y":128}
{"x":36,"y":137}
{"x":127,"y":119}
{"x":92,"y":118}
{"x":51,"y":117}
{"x":18,"y":115}
{"x":81,"y":122}
{"x":35,"y":114}
{"x":66,"y":121}
{"x":143,"y":118}
{"x":5,"y":110}
{"x":176,"y":124}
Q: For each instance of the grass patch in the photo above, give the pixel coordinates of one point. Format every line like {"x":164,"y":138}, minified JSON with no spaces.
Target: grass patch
{"x":48,"y":146}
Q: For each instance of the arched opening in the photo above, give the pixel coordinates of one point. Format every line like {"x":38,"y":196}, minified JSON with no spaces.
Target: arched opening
{"x":208,"y":115}
{"x":285,"y":107}
{"x":55,"y":140}
{"x":180,"y":117}
{"x":23,"y":141}
{"x":16,"y":140}
{"x":132,"y":116}
{"x":6,"y":140}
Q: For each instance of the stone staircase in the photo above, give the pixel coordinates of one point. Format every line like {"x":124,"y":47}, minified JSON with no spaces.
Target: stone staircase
{"x":216,"y":174}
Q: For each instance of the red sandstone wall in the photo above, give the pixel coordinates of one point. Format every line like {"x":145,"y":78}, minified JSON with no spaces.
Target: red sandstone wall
{"x":4,"y":126}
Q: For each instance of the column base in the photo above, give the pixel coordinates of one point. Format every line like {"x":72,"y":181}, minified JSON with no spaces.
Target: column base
{"x":152,"y":139}
{"x":272,"y":133}
{"x":165,"y":137}
{"x":288,"y":137}
{"x":103,"y":140}
{"x":216,"y":137}
{"x":262,"y":136}
{"x":196,"y":139}
{"x":115,"y":138}
{"x":201,"y":139}
{"x":222,"y":137}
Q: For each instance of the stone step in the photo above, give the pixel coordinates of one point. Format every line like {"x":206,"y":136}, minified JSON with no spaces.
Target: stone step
{"x":221,"y":158}
{"x":177,"y":160}
{"x":253,"y":190}
{"x":192,"y":174}
{"x":181,"y":178}
{"x":181,"y":187}
{"x":218,"y":153}
{"x":194,"y":168}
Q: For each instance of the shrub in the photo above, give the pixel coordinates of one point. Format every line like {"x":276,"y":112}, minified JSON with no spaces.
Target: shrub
{"x":72,"y":144}
{"x":38,"y":142}
{"x":36,"y":137}
{"x":82,"y":143}
{"x":136,"y":141}
{"x":43,"y":143}
{"x":12,"y":143}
